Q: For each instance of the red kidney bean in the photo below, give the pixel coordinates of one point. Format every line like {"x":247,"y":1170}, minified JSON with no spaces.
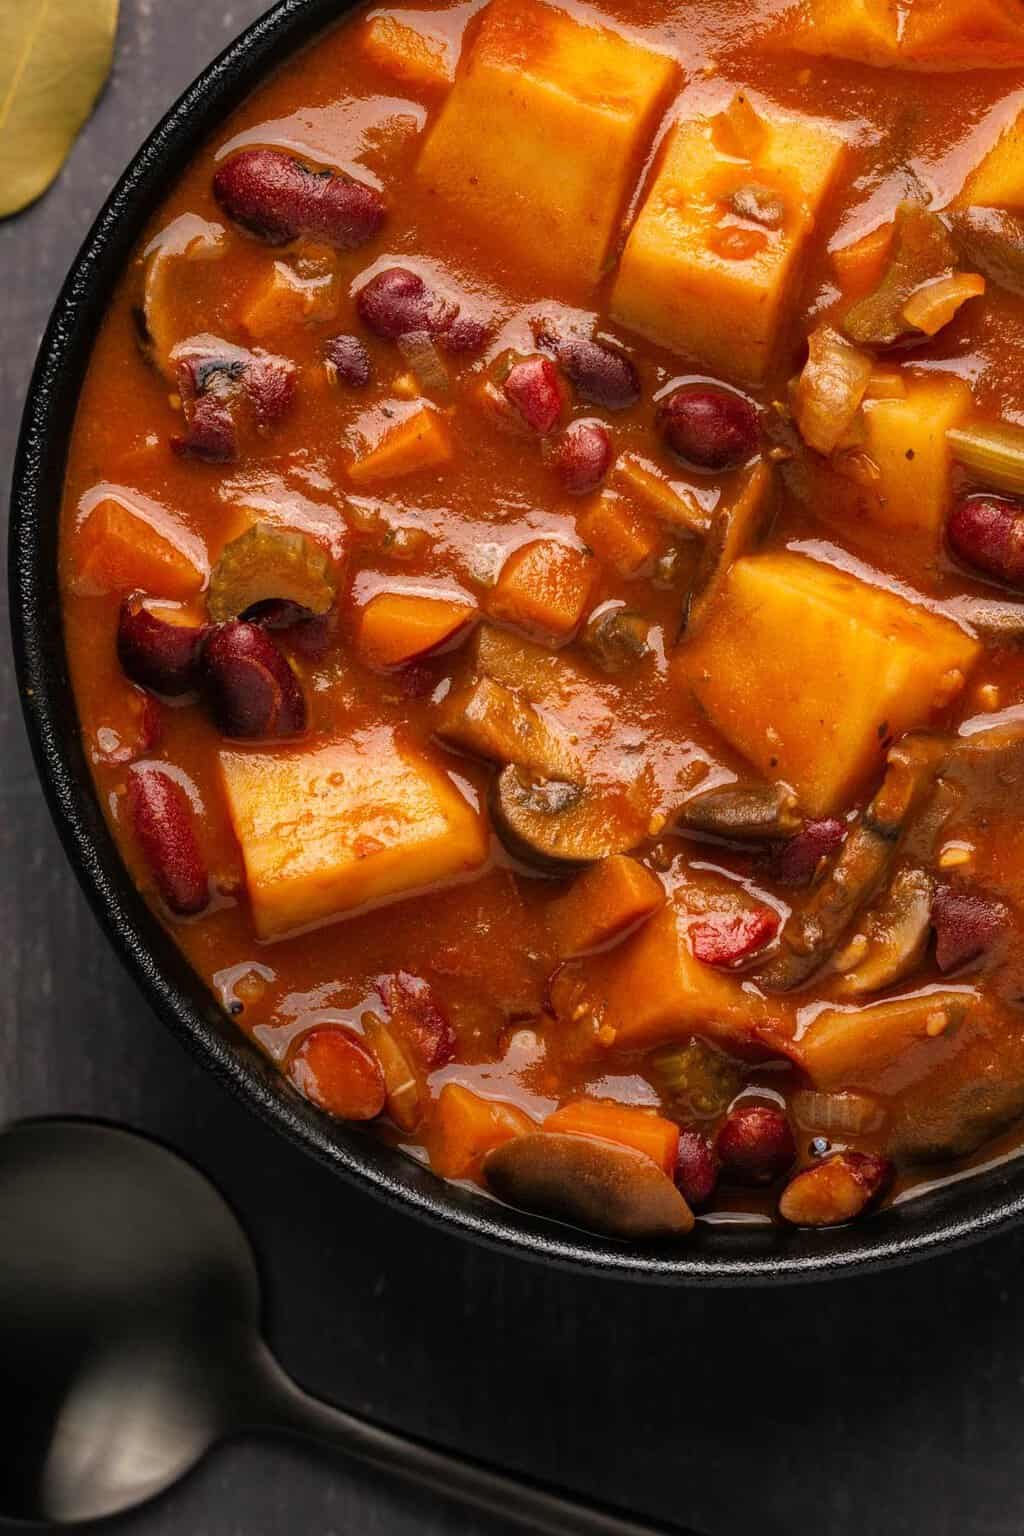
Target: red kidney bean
{"x":397,"y":302}
{"x":533,"y":387}
{"x":967,"y":925}
{"x":755,"y":1144}
{"x":987,"y":532}
{"x":601,"y":374}
{"x":696,"y":1168}
{"x":722,"y":938}
{"x":278,"y":198}
{"x":796,"y":861}
{"x":155,"y":653}
{"x":210,"y":433}
{"x":269,"y":384}
{"x":583,"y":456}
{"x":835,"y":1190}
{"x":164,"y":826}
{"x":709,"y":427}
{"x":336,"y":1070}
{"x":465,"y":333}
{"x":310,"y":634}
{"x":248,"y":684}
{"x":418,"y":1018}
{"x":349,"y":359}
{"x":212,"y":380}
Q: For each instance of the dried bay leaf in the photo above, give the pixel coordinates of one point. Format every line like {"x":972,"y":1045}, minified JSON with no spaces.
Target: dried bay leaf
{"x":55,"y":57}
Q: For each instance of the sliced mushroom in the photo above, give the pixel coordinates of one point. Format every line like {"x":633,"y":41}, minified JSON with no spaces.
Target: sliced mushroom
{"x":922,"y":251}
{"x":938,"y":1124}
{"x":488,"y":720}
{"x":742,"y":813}
{"x":734,"y":529}
{"x":558,"y":826}
{"x":187,"y":238}
{"x":519,"y":663}
{"x":597,"y":1185}
{"x":812,"y":934}
{"x":991,"y":239}
{"x":615,"y":639}
{"x":266,"y":564}
{"x":851,"y":1047}
{"x":892,"y":939}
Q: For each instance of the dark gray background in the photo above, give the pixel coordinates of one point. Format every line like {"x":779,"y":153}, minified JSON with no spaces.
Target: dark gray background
{"x":876,"y":1407}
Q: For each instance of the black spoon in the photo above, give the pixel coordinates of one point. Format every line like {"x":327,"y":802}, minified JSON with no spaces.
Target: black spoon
{"x":130,"y":1342}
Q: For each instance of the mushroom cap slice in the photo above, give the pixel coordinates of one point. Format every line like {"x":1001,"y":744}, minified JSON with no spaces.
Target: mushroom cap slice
{"x":599,"y":1185}
{"x":558,"y":826}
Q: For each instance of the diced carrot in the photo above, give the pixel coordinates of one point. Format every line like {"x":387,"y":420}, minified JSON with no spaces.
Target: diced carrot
{"x":420,"y":442}
{"x":545,"y":589}
{"x":396,"y":627}
{"x":406,"y":1093}
{"x":620,"y":536}
{"x":467,"y":1127}
{"x":284,"y":298}
{"x":606,"y":901}
{"x":626,"y":1124}
{"x":118,"y":550}
{"x":641,"y":481}
{"x":408,"y":55}
{"x":859,"y":266}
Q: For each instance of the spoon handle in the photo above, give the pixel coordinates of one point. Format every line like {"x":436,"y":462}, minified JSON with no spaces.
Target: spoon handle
{"x":533,"y":1507}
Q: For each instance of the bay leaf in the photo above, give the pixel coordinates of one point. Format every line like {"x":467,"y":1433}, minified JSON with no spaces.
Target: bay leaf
{"x":55,"y":56}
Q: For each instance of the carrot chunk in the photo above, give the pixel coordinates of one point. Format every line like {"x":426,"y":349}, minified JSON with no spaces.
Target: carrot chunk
{"x":545,"y":589}
{"x":334,"y":1070}
{"x":420,"y":442}
{"x":621,"y":537}
{"x":625,"y":1124}
{"x":858,"y":267}
{"x":603,"y":903}
{"x":397,"y":627}
{"x":467,"y":1127}
{"x":118,"y":550}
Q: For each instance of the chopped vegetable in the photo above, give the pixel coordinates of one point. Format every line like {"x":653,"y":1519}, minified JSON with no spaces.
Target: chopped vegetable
{"x":598,"y":1185}
{"x":921,"y":252}
{"x":624,"y":1124}
{"x":416,"y":58}
{"x":837,"y":1114}
{"x":467,"y":1127}
{"x":677,"y":508}
{"x":425,"y":361}
{"x":742,"y":812}
{"x":695,"y":1079}
{"x":994,"y":454}
{"x":120,"y":549}
{"x":489,"y":720}
{"x":853,"y":1047}
{"x":835,"y":1190}
{"x":266,"y":563}
{"x":934,"y":305}
{"x":187,"y":238}
{"x":991,"y":239}
{"x":335,"y":1070}
{"x":830,"y":389}
{"x":733,"y":531}
{"x":407,"y":1097}
{"x":615,"y":639}
{"x":625,"y":540}
{"x":604,"y":903}
{"x":545,"y":589}
{"x":892,"y":939}
{"x":396,"y":628}
{"x":419,"y":443}
{"x":556,"y":825}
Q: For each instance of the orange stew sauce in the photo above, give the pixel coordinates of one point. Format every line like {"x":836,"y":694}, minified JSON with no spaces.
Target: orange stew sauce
{"x":541,"y":568}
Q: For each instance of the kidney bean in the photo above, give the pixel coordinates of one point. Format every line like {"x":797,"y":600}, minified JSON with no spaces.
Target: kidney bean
{"x":583,"y":456}
{"x":987,"y":532}
{"x":248,"y":684}
{"x":210,"y":433}
{"x":310,"y":634}
{"x":722,"y":938}
{"x":213,"y":377}
{"x":967,"y":925}
{"x":269,"y":383}
{"x":465,"y":333}
{"x":337,"y":1071}
{"x":164,"y":826}
{"x":417,"y":1016}
{"x":278,"y":198}
{"x":835,"y":1190}
{"x":533,"y":387}
{"x":601,"y":374}
{"x":796,"y":861}
{"x":696,"y":1168}
{"x":709,"y":427}
{"x":155,"y":653}
{"x":397,"y":302}
{"x":755,"y":1144}
{"x":349,"y":359}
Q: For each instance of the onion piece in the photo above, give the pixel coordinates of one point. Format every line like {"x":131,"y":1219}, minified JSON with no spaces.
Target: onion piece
{"x":934,"y":305}
{"x":994,"y":454}
{"x":830,"y":389}
{"x":425,"y":361}
{"x":843,"y":1114}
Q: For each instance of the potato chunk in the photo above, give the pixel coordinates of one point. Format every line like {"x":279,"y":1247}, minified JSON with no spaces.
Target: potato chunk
{"x":396,"y":628}
{"x":810,"y":672}
{"x":695,"y":254}
{"x":119,"y":549}
{"x":545,"y":588}
{"x":906,"y":438}
{"x":415,"y":58}
{"x":545,"y":129}
{"x":422,"y":441}
{"x":326,"y":831}
{"x":998,"y":181}
{"x":921,"y":34}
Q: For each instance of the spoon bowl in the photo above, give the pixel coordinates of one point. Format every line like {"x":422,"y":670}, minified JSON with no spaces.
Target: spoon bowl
{"x":130,"y":1342}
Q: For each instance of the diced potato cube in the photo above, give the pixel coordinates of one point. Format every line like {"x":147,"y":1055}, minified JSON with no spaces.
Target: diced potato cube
{"x":930,"y":34}
{"x":650,"y":988}
{"x":809,"y":672}
{"x":847,"y":29}
{"x":396,"y":627}
{"x":692,"y":258}
{"x":906,"y":438}
{"x":414,"y":57}
{"x":545,"y":588}
{"x":543,"y":134}
{"x":489,"y":720}
{"x":284,"y":299}
{"x":998,"y":182}
{"x":120,"y":549}
{"x":624,"y":539}
{"x":604,"y":903}
{"x":672,"y":505}
{"x":853,"y":1047}
{"x":419,"y":442}
{"x":326,"y":831}
{"x":467,"y":1126}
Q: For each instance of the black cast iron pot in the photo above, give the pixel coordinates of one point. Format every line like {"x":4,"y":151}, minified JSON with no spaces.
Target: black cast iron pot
{"x":969,"y":1208}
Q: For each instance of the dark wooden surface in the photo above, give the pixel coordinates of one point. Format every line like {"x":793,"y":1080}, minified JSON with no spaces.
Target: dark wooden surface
{"x":890,"y":1406}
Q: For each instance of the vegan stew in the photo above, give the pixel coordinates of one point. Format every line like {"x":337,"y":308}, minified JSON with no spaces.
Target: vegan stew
{"x":543,"y":574}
